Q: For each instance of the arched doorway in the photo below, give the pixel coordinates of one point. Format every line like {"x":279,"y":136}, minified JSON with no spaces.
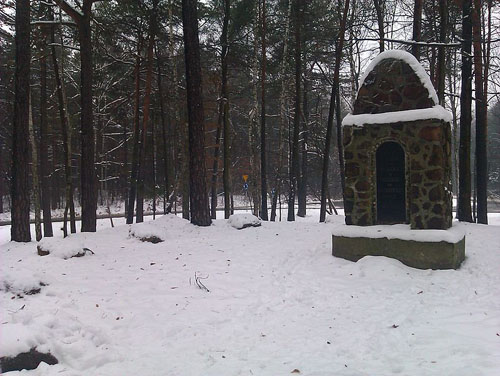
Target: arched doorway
{"x":391,"y":203}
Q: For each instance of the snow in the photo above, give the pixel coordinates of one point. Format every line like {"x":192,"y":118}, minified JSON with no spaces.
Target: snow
{"x":17,"y":338}
{"x":241,"y":221}
{"x":21,"y":282}
{"x":63,"y":248}
{"x":278,"y":301}
{"x":401,"y":231}
{"x":160,"y":228}
{"x":411,"y":61}
{"x":436,"y":112}
{"x":144,"y":231}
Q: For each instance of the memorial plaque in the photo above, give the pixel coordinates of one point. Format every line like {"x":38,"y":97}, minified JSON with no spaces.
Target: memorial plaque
{"x":391,"y":208}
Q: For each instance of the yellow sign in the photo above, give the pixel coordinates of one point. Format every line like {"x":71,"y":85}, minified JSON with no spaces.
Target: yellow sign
{"x":245,"y":178}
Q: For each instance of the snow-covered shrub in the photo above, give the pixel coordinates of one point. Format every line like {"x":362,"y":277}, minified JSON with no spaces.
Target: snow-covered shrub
{"x":20,"y":283}
{"x":241,"y":221}
{"x":148,"y":232}
{"x":65,"y":248}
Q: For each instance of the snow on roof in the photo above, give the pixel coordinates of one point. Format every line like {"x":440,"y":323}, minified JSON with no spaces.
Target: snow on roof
{"x":436,"y":112}
{"x":408,"y":59}
{"x":401,"y":231}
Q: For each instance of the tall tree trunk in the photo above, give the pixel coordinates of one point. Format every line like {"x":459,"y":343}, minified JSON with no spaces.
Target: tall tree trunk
{"x":100,"y":147}
{"x":263,"y":164}
{"x":464,"y":211}
{"x":44,"y":134}
{"x":487,"y":48}
{"x":124,"y":191}
{"x":283,"y":116}
{"x":88,"y":174}
{"x":153,"y":153}
{"x":34,"y":175}
{"x":226,"y":177}
{"x":302,"y":186}
{"x":331,"y":110}
{"x":222,"y":125}
{"x":200,"y":214}
{"x":88,"y":177}
{"x":2,"y":180}
{"x":487,"y":59}
{"x":215,"y":166}
{"x":454,"y":139}
{"x":380,"y":21}
{"x":443,"y":29}
{"x":253,"y":130}
{"x":481,"y":119}
{"x":145,"y":114}
{"x":66,"y":132}
{"x":184,"y":166}
{"x":20,"y":214}
{"x":417,"y":27}
{"x":55,"y":201}
{"x":164,"y":132}
{"x":295,"y":169}
{"x":302,"y":181}
{"x":181,"y":128}
{"x":132,"y":192}
{"x":340,"y":146}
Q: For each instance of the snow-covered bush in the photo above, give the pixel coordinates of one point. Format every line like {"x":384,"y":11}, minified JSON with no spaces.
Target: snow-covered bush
{"x":65,"y":248}
{"x":148,"y":232}
{"x":20,"y":283}
{"x":241,"y":221}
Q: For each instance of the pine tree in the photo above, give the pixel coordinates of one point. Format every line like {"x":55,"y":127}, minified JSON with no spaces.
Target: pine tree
{"x":464,"y":211}
{"x":20,"y":229}
{"x":200,"y":214}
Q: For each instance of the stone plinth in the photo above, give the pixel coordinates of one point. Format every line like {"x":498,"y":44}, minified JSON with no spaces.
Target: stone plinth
{"x":422,"y":249}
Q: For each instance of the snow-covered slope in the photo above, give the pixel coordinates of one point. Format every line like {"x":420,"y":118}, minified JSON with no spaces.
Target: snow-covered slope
{"x":278,"y":303}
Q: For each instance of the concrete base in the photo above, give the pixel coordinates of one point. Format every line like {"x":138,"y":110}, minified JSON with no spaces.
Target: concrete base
{"x":417,"y":254}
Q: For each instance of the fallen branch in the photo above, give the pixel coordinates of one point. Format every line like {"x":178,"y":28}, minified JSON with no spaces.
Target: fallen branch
{"x":198,"y":282}
{"x":88,"y":250}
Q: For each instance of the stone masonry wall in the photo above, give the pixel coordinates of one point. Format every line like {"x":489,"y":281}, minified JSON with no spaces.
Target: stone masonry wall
{"x":391,"y":86}
{"x":427,"y":164}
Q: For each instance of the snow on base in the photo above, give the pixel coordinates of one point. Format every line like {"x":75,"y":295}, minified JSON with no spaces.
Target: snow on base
{"x":437,"y":112}
{"x":241,"y":221}
{"x":401,"y":231}
{"x":66,"y":248}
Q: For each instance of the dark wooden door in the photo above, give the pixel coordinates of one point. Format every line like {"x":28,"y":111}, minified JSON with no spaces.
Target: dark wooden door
{"x":391,"y":206}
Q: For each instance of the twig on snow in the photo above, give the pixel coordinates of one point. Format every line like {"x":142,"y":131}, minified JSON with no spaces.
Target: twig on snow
{"x":198,"y":281}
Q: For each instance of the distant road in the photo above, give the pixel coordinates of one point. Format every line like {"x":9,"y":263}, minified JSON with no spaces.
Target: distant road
{"x":312,"y":205}
{"x":493,"y":207}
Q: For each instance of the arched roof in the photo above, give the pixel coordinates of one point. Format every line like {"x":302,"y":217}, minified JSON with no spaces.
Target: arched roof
{"x":394,"y":81}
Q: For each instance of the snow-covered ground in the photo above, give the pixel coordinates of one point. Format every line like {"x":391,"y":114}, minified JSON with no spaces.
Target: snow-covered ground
{"x":277,"y":303}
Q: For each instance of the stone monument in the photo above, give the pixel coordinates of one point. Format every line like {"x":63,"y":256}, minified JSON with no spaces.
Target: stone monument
{"x":397,"y":151}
